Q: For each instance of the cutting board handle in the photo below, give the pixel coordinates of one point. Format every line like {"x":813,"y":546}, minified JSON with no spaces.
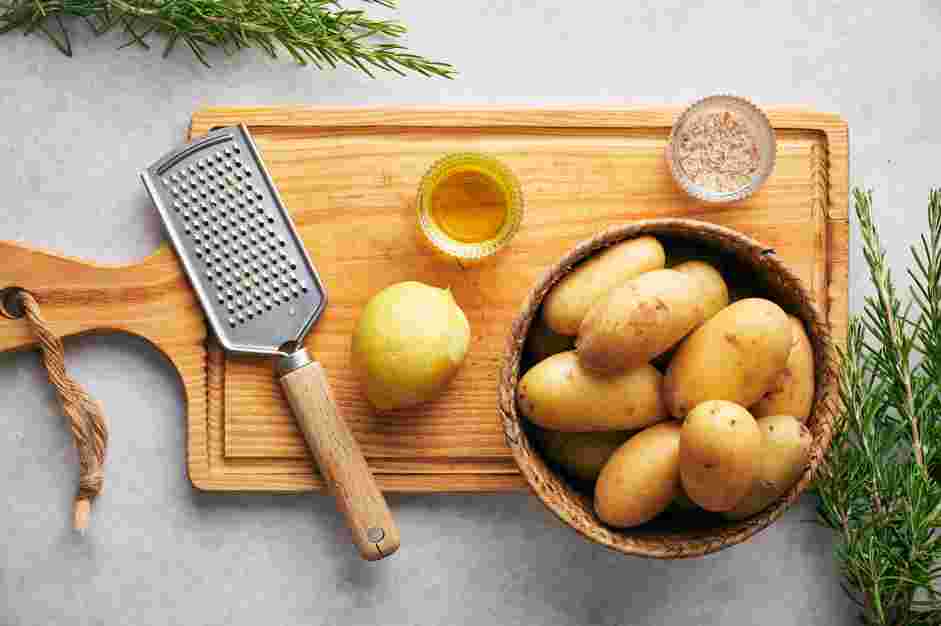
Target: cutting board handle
{"x":151,"y":299}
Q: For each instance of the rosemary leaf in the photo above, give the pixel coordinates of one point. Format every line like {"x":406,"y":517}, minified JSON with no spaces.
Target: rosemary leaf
{"x":317,"y":31}
{"x":878,"y":484}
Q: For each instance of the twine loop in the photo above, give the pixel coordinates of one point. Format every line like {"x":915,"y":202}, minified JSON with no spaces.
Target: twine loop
{"x":86,"y":418}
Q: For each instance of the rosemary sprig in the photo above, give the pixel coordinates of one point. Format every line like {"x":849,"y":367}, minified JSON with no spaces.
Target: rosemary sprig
{"x":320,"y":32}
{"x":878,"y":484}
{"x":887,"y":321}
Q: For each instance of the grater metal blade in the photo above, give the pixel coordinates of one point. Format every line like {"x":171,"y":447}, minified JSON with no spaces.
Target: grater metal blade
{"x":256,"y":283}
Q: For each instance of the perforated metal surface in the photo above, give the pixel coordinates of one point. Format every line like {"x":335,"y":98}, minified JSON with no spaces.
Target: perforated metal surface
{"x":240,"y":249}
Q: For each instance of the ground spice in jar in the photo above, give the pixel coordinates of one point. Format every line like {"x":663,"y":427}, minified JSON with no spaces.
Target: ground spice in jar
{"x":717,"y":151}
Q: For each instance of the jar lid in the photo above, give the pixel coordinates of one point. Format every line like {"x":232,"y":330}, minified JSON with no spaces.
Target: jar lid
{"x":721,"y":149}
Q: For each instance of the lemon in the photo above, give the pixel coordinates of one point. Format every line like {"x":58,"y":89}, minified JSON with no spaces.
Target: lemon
{"x":409,"y":343}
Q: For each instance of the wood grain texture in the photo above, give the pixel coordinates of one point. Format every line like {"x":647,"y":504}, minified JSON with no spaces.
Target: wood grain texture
{"x":341,"y":462}
{"x":151,"y":299}
{"x":349,"y":178}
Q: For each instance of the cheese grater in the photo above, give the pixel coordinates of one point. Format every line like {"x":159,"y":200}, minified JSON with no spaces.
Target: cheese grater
{"x":261,"y":295}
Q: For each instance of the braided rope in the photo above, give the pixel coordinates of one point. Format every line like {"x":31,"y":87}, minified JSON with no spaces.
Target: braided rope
{"x":86,"y":417}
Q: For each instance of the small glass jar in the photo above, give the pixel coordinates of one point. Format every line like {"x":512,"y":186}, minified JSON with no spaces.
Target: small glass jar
{"x":469,"y":206}
{"x":754,"y":128}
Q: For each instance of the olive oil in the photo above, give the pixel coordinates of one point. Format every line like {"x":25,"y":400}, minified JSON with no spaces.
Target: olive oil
{"x":469,"y":205}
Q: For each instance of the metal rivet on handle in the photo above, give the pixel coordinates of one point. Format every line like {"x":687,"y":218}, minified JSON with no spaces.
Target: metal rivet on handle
{"x":375,"y":534}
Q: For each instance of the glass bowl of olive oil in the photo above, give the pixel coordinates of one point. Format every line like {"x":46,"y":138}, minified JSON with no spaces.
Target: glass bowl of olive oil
{"x":469,"y":206}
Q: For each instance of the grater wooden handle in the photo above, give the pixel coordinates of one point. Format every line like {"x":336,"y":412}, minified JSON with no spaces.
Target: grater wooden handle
{"x":339,"y":458}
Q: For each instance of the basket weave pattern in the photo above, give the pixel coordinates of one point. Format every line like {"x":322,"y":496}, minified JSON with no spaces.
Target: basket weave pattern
{"x":575,"y":508}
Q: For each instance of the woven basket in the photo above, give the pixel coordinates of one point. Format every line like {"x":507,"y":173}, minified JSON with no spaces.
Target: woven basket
{"x":751,"y":269}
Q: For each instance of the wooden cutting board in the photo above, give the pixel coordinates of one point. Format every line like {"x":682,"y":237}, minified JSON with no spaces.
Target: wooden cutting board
{"x":349,"y":178}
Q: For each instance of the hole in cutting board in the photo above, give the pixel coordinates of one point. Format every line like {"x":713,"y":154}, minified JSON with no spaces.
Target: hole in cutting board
{"x":10,"y":305}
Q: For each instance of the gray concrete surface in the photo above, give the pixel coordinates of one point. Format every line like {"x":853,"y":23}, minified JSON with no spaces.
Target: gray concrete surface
{"x":74,"y":133}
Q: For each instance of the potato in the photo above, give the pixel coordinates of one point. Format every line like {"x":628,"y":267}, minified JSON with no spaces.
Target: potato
{"x":784,"y":455}
{"x":582,"y":454}
{"x":715,"y":291}
{"x":542,"y":342}
{"x":639,"y":320}
{"x":568,"y":302}
{"x":641,"y":478}
{"x":793,"y":389}
{"x":716,"y":298}
{"x":735,"y":356}
{"x":719,"y":447}
{"x":560,"y":394}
